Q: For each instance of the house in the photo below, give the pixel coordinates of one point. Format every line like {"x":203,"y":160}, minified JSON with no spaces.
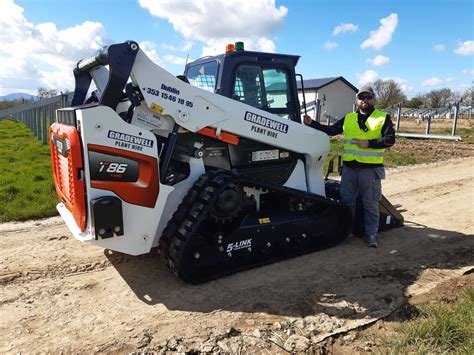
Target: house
{"x":336,"y":97}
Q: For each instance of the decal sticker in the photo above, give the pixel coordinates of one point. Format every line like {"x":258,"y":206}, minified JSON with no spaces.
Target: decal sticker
{"x":214,"y":151}
{"x":264,"y":220}
{"x":145,"y":116}
{"x":262,"y":155}
{"x":157,"y":108}
{"x":170,"y":89}
{"x":167,"y":93}
{"x":105,"y":167}
{"x":266,"y":122}
{"x":241,"y":244}
{"x":125,"y":140}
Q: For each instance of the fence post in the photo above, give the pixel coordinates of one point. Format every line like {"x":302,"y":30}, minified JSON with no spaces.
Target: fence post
{"x":37,"y":122}
{"x":428,"y":124}
{"x":45,"y":128}
{"x":399,"y":113}
{"x":455,"y":118}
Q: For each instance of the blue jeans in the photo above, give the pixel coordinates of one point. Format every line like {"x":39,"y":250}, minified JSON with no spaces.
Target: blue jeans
{"x":367,"y":183}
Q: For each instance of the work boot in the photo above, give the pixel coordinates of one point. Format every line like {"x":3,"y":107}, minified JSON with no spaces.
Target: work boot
{"x":372,"y":241}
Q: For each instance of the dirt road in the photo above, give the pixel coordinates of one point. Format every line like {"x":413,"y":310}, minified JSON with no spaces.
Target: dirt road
{"x":59,"y":295}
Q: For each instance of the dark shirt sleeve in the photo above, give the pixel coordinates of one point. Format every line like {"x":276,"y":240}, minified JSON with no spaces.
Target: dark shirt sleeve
{"x":388,"y":136}
{"x":332,"y":130}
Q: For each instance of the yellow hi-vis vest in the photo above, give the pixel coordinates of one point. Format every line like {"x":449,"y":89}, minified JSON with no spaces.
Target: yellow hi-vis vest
{"x":352,"y":130}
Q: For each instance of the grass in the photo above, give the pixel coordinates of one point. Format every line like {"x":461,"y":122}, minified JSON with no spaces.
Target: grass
{"x":26,"y":181}
{"x":439,"y":329}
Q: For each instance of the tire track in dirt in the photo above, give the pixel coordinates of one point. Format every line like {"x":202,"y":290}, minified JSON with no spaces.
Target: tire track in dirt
{"x":64,"y":270}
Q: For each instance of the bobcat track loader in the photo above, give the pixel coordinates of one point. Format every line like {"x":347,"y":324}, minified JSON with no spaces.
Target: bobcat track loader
{"x":214,"y":167}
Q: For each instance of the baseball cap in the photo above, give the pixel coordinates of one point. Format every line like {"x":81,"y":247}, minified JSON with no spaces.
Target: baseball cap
{"x":366,"y":88}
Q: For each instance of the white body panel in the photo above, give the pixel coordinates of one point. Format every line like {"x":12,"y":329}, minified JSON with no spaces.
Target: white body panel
{"x":142,"y":225}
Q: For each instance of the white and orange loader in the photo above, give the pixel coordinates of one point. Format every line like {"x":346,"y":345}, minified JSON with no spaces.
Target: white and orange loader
{"x":212,"y":167}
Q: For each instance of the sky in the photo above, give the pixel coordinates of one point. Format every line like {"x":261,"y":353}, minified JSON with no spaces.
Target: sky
{"x":423,"y":45}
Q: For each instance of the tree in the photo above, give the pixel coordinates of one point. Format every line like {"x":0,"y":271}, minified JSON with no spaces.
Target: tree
{"x":438,"y":98}
{"x":467,"y":96}
{"x":388,"y":92}
{"x":414,"y":102}
{"x":44,"y":93}
{"x":12,"y":103}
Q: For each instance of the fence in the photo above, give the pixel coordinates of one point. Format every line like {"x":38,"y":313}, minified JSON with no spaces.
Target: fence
{"x":38,"y":115}
{"x":398,"y":114}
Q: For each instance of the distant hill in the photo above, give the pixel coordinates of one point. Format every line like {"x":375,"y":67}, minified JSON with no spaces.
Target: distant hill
{"x":18,"y":95}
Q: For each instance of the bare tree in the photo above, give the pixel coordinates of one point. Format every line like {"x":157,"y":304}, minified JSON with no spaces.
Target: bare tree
{"x":438,"y":98}
{"x":467,"y":96}
{"x":388,"y":92}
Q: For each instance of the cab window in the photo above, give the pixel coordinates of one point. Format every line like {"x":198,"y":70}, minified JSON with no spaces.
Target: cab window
{"x":203,"y":75}
{"x":264,"y":88}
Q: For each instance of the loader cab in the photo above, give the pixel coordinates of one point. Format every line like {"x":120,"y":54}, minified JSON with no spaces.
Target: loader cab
{"x":263,"y":80}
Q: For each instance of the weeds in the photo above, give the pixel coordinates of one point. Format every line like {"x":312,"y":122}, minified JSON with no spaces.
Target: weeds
{"x":438,"y":329}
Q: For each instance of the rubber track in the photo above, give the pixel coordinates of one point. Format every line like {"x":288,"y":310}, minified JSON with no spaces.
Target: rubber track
{"x":195,"y":207}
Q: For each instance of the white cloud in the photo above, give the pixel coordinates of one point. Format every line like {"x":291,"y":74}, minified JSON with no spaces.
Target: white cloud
{"x":383,"y":35}
{"x":176,"y":60}
{"x":150,"y":50}
{"x":330,"y":45}
{"x":378,"y":60}
{"x":449,"y":79}
{"x":432,"y":82}
{"x":184,"y":48}
{"x":369,"y":76}
{"x":439,"y":48}
{"x":218,"y":22}
{"x":465,"y":48}
{"x":344,"y":27}
{"x":40,"y":55}
{"x":217,"y":46}
{"x":469,"y":72}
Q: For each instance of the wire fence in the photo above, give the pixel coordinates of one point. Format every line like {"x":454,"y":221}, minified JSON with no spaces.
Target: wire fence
{"x":398,"y":114}
{"x":38,"y":115}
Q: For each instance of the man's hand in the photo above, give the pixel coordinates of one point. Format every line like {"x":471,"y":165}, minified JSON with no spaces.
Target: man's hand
{"x":307,"y":120}
{"x":362,"y":143}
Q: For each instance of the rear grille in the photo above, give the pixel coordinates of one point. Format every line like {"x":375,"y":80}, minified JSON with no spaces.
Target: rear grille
{"x":67,"y":163}
{"x":66,"y":116}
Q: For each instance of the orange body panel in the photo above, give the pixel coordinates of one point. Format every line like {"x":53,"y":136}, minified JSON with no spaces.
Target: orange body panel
{"x":223,"y":136}
{"x":144,"y":191}
{"x":67,"y":170}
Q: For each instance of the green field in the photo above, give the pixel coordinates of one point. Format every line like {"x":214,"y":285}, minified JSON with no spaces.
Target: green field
{"x":26,"y":181}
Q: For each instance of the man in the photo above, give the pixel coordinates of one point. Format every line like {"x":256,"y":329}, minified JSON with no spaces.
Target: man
{"x":367,"y":132}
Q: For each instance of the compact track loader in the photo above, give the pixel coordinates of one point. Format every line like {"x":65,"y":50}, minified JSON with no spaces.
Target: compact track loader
{"x":213,"y":167}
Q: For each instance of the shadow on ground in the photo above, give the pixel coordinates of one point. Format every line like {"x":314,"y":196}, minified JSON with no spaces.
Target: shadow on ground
{"x":349,"y":280}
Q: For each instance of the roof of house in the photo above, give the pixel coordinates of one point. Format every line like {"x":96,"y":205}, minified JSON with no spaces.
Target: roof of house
{"x":321,"y":82}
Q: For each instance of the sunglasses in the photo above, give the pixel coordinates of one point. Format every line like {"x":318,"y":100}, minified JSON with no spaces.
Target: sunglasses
{"x":365,"y":97}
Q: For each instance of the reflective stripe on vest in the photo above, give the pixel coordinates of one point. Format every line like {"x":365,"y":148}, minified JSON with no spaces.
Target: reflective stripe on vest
{"x":352,"y":131}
